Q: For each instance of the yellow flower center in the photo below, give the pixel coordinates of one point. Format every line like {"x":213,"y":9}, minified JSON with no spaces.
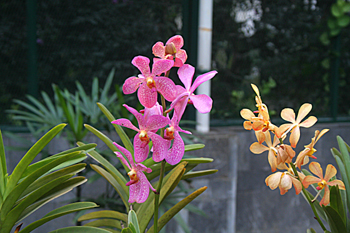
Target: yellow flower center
{"x":169,"y":133}
{"x":322,"y":184}
{"x":311,"y":152}
{"x":133,"y":176}
{"x":143,"y":136}
{"x":150,"y":82}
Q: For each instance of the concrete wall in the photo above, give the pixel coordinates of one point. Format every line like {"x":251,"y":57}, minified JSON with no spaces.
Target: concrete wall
{"x":237,"y":199}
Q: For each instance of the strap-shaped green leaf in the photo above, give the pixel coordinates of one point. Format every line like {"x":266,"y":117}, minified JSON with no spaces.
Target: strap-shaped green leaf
{"x":67,"y":209}
{"x":112,"y":223}
{"x":132,"y":220}
{"x":106,"y":140}
{"x":176,"y":208}
{"x":104,"y":214}
{"x":108,"y":166}
{"x":117,"y":184}
{"x":146,"y":210}
{"x":58,"y":191}
{"x":194,"y":174}
{"x":123,"y":136}
{"x":80,"y":229}
{"x":29,"y":156}
{"x":334,"y":220}
{"x":336,"y":202}
{"x":74,"y":169}
{"x":11,"y":218}
{"x":194,"y":147}
{"x":19,"y":189}
{"x":3,"y":167}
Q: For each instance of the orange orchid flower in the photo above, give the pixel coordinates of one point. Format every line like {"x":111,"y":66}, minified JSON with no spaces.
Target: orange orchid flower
{"x":322,"y":181}
{"x":289,"y":115}
{"x":258,"y":148}
{"x":284,"y":180}
{"x":303,"y":157}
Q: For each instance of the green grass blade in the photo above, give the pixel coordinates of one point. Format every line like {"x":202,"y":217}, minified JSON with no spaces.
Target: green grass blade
{"x":3,"y":166}
{"x":30,"y":108}
{"x":104,"y":214}
{"x":190,"y":175}
{"x":176,"y":208}
{"x":29,"y":156}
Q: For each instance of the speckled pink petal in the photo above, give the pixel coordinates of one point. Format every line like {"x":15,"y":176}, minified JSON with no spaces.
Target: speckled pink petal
{"x":126,"y":123}
{"x":160,"y":147}
{"x":141,"y":149}
{"x":156,"y":122}
{"x":177,"y":40}
{"x":139,"y":192}
{"x":131,"y":84}
{"x":147,"y":96}
{"x":161,"y":66}
{"x":141,"y":167}
{"x":180,"y":106}
{"x":202,"y":103}
{"x":139,"y":117}
{"x":126,"y":153}
{"x":177,"y":151}
{"x":185,"y":74}
{"x":166,"y":87}
{"x":142,"y":63}
{"x":158,"y":50}
{"x":180,"y":58}
{"x":201,"y":79}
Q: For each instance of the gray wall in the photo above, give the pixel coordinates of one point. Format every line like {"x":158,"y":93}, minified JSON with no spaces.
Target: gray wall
{"x":237,"y":199}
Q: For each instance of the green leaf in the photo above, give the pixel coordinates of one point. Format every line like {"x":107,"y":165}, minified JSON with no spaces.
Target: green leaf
{"x":336,"y":202}
{"x":346,"y":7}
{"x":112,"y":223}
{"x":80,"y":229}
{"x":29,"y":156}
{"x":118,"y":185}
{"x":194,"y":147}
{"x":311,"y":230}
{"x":3,"y":167}
{"x":336,"y":10}
{"x":162,"y":221}
{"x":132,"y":219}
{"x":336,"y":155}
{"x":127,"y":230}
{"x":190,"y":175}
{"x":104,"y":214}
{"x":343,"y":20}
{"x":67,"y":209}
{"x":334,"y":220}
{"x":324,"y":38}
{"x":125,"y":139}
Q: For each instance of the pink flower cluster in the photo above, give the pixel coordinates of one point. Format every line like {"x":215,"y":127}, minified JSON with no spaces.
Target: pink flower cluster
{"x":169,"y":147}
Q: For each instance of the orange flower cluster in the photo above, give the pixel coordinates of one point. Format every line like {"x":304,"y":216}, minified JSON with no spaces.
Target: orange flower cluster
{"x":281,"y":155}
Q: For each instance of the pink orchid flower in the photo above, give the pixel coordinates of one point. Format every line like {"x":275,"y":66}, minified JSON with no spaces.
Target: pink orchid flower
{"x":146,"y":131}
{"x":202,"y":103}
{"x":172,"y":50}
{"x":148,"y":84}
{"x":139,"y":185}
{"x":177,"y":150}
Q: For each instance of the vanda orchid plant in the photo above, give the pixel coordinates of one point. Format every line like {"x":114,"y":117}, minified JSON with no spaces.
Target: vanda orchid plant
{"x":157,"y":133}
{"x":332,"y":198}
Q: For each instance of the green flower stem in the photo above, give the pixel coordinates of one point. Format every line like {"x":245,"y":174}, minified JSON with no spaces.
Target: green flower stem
{"x":308,"y":199}
{"x":156,"y":199}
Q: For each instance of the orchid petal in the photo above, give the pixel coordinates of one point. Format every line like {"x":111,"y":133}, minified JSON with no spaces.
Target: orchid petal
{"x":120,"y":156}
{"x":180,"y":106}
{"x":337,"y":182}
{"x":330,"y":172}
{"x":308,"y":122}
{"x":185,"y":74}
{"x":288,"y":114}
{"x":201,"y":79}
{"x":139,"y":192}
{"x":158,"y":49}
{"x":156,"y":122}
{"x":260,"y":136}
{"x":177,"y":40}
{"x":131,"y":84}
{"x":126,"y":153}
{"x":272,"y":160}
{"x":316,"y":169}
{"x":160,"y":147}
{"x":166,"y":87}
{"x":161,"y":66}
{"x":180,"y":58}
{"x":273,"y":180}
{"x":326,"y":195}
{"x":141,"y":149}
{"x":303,"y":111}
{"x":286,"y":182}
{"x":142,"y":63}
{"x":247,"y":114}
{"x":126,"y":123}
{"x":310,"y":180}
{"x":177,"y":150}
{"x":147,"y":96}
{"x":297,"y":185}
{"x":258,"y":148}
{"x":294,"y":136}
{"x":139,"y":117}
{"x":202,"y":103}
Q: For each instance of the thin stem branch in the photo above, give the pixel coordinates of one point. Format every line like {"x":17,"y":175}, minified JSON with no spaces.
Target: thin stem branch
{"x":308,"y":198}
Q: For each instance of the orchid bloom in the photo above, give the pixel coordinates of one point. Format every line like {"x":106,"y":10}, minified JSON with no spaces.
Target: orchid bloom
{"x":289,"y":115}
{"x":148,"y":84}
{"x":146,"y":131}
{"x":284,"y":180}
{"x":303,"y":157}
{"x":139,"y":184}
{"x":172,"y":50}
{"x":258,"y":148}
{"x":322,"y":181}
{"x":202,"y":103}
{"x":177,"y":150}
